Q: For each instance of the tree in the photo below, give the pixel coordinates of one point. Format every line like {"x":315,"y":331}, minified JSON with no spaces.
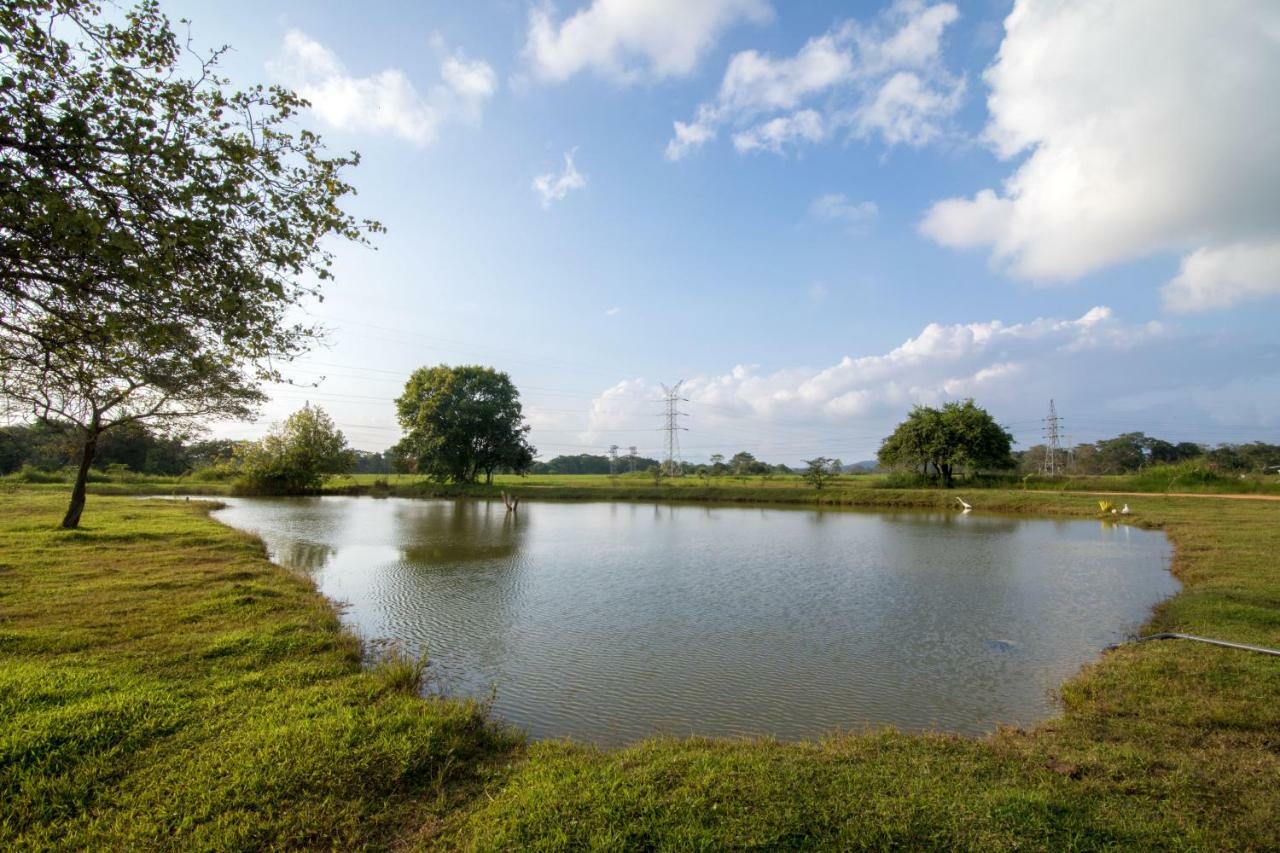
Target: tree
{"x":960,"y":434}
{"x":157,"y":228}
{"x":817,"y":471}
{"x":744,"y":464}
{"x":1120,"y":455}
{"x":463,"y":421}
{"x":297,"y":456}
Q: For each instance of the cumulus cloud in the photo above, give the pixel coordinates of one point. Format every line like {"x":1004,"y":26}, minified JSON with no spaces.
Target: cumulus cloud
{"x":855,"y":216}
{"x":552,"y":187}
{"x":988,"y":360}
{"x":1140,"y":132}
{"x":629,"y":39}
{"x":1219,"y":277}
{"x":385,"y":102}
{"x":880,"y":80}
{"x":777,"y":133}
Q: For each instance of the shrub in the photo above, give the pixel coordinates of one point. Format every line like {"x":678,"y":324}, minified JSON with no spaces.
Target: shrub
{"x":400,"y":672}
{"x":31,"y":474}
{"x":295,"y":457}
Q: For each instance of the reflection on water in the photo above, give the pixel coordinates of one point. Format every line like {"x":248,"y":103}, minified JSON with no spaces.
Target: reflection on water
{"x":609,"y":622}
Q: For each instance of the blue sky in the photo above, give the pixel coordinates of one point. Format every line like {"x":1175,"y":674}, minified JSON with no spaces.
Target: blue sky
{"x":873,"y":204}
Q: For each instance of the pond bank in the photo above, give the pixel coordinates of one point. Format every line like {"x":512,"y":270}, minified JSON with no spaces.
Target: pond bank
{"x":164,"y":685}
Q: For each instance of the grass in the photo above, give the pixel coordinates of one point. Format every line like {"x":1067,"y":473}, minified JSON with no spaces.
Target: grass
{"x":162,"y":685}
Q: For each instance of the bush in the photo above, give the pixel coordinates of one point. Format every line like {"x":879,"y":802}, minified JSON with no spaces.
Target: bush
{"x":295,"y":457}
{"x":218,"y":473}
{"x":32,"y":474}
{"x":1188,"y":474}
{"x":120,"y":471}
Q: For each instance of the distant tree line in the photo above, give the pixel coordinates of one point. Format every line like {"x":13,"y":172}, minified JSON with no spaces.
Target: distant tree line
{"x":1133,"y":451}
{"x":588,"y":463}
{"x":54,"y":445}
{"x":298,"y":454}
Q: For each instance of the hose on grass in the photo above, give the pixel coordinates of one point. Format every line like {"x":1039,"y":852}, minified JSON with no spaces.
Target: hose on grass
{"x":1169,"y":635}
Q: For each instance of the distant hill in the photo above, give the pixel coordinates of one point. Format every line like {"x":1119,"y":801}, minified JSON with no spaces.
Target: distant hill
{"x":861,"y":467}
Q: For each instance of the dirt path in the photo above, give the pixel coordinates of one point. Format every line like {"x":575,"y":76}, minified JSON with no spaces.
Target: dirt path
{"x":1178,"y":495}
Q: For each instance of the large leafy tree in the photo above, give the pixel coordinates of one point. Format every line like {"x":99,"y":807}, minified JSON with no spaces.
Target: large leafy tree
{"x":156,"y":227}
{"x":461,"y":422}
{"x":958,"y":435}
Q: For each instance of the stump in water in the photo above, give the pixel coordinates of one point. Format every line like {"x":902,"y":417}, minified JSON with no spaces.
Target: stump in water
{"x":512,"y":501}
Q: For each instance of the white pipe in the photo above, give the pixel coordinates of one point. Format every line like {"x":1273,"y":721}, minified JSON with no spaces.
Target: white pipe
{"x":1169,"y":635}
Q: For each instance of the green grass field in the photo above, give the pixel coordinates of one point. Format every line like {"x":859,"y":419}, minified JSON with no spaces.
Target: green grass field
{"x":163,"y":686}
{"x":845,"y":489}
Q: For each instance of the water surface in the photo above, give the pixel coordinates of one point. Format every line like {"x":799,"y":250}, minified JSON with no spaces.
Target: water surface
{"x":609,"y":622}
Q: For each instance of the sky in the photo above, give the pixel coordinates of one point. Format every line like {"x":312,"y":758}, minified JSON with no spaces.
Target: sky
{"x":816,"y":215}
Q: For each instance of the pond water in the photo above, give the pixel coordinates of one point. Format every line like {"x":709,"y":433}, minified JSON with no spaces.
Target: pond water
{"x":609,"y":622}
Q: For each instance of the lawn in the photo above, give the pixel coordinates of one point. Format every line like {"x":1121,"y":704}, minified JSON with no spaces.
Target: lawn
{"x":163,"y":685}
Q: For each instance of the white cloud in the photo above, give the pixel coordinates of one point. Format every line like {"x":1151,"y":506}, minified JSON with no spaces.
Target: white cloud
{"x":628,"y":39}
{"x":884,"y":80}
{"x":612,"y":312}
{"x":775,"y":134}
{"x":473,"y":81}
{"x":904,"y":110}
{"x":385,"y":102}
{"x":992,"y":361}
{"x":1142,"y":132}
{"x":692,"y":135}
{"x":1222,"y":276}
{"x":552,"y":187}
{"x":836,"y":207}
{"x":755,"y":82}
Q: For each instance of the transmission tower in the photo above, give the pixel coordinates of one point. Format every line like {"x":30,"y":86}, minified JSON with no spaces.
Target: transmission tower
{"x":1052,"y":436}
{"x":671,"y":425}
{"x":613,"y":460}
{"x":631,"y":457}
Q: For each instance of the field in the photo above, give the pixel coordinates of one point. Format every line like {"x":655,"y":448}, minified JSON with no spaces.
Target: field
{"x":163,"y":685}
{"x":845,"y":489}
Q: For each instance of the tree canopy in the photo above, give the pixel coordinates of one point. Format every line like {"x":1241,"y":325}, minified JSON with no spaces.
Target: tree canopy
{"x":957,"y":435}
{"x":817,"y":472}
{"x":461,"y":422}
{"x":156,"y":226}
{"x":296,"y":456}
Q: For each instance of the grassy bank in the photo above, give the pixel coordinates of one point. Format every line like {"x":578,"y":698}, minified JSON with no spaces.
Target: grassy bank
{"x":163,"y":685}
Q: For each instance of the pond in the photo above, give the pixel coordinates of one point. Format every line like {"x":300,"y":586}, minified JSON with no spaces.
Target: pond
{"x":609,"y":622}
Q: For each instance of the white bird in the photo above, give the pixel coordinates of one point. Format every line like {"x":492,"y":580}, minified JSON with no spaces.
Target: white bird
{"x":963,"y":504}
{"x":1124,"y":510}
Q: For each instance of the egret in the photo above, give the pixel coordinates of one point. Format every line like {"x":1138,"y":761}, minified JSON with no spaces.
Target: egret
{"x":1124,"y":510}
{"x":963,"y":504}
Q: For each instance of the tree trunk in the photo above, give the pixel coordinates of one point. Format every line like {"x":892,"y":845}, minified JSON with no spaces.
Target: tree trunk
{"x":71,"y":520}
